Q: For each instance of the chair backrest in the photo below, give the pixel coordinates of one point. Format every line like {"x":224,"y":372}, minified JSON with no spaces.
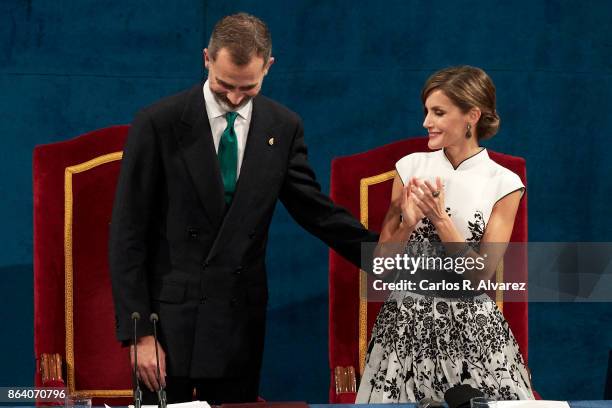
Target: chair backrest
{"x":74,"y":188}
{"x":362,"y":183}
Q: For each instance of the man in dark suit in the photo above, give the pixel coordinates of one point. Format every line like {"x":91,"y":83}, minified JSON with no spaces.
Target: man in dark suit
{"x":201,"y":174}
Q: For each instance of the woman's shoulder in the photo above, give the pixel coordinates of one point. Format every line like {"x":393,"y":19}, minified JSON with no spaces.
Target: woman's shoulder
{"x":414,"y":163}
{"x":498,"y":171}
{"x":414,"y":160}
{"x":504,"y":181}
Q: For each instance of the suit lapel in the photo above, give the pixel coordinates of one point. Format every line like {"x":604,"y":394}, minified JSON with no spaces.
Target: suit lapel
{"x":252,"y":170}
{"x":252,"y":179}
{"x":196,"y":141}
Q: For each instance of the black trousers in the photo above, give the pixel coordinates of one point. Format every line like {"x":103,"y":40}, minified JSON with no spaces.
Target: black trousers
{"x":215,"y":391}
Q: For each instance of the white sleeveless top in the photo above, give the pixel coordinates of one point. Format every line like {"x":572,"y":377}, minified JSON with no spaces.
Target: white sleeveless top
{"x":471,"y":190}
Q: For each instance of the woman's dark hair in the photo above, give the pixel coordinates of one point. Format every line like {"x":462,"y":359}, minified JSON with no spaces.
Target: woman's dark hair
{"x":468,"y":87}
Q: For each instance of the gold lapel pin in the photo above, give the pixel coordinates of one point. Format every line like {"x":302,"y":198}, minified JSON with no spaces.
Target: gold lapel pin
{"x":271,"y":141}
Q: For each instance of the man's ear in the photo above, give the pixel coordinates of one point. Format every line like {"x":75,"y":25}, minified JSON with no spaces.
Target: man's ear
{"x":268,"y":65}
{"x":206,"y":58}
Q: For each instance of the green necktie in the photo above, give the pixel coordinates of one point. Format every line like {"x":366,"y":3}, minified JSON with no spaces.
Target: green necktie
{"x":228,"y":156}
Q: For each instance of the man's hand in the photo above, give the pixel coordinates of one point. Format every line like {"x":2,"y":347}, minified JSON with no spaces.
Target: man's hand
{"x":147,"y":368}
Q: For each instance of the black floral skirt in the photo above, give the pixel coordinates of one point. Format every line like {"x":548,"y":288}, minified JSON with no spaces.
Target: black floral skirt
{"x":421,"y":346}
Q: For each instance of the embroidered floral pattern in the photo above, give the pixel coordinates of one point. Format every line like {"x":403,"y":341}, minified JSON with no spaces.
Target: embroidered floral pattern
{"x":425,"y":230}
{"x":476,"y":227}
{"x":422,"y":345}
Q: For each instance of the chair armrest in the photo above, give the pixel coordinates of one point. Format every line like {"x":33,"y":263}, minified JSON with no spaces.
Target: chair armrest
{"x":51,"y":370}
{"x":345,"y":380}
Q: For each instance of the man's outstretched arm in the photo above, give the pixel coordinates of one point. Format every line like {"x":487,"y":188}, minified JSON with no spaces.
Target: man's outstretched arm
{"x":316,"y":212}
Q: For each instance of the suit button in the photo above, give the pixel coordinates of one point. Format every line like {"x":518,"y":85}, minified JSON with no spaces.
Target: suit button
{"x":203,"y":300}
{"x":193,"y":233}
{"x":252,"y":234}
{"x":238,"y":270}
{"x":233,"y":301}
{"x":204,"y":265}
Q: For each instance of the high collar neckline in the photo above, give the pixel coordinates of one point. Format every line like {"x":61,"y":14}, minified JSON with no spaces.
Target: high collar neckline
{"x":469,"y":162}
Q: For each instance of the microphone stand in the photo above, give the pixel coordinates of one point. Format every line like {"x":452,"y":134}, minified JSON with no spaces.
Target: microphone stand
{"x":161,"y":393}
{"x":137,"y":392}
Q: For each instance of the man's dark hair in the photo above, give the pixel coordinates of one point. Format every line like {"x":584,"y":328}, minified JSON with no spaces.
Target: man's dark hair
{"x":244,"y":36}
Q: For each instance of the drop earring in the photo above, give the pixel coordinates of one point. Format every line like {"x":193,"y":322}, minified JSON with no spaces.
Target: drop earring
{"x":468,"y":134}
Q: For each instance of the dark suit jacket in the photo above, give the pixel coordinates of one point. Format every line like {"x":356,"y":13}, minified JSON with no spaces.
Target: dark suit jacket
{"x":175,"y":248}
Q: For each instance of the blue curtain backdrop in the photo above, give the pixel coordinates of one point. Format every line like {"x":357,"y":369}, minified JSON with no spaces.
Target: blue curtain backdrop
{"x":353,"y":70}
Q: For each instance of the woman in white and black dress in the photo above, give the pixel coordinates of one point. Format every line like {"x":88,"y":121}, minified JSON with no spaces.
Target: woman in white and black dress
{"x":424,"y":344}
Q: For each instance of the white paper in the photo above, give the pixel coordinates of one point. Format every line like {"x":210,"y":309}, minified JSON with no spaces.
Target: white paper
{"x":532,"y":404}
{"x":192,"y":404}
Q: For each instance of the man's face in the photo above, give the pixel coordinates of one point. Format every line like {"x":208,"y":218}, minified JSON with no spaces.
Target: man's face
{"x":234,"y":85}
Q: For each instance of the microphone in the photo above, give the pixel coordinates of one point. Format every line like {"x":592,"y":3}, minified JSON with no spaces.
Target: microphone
{"x":135,"y":383}
{"x":161,"y":393}
{"x":460,"y":395}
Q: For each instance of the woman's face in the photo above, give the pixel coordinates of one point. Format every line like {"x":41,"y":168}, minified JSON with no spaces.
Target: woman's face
{"x":446,"y":124}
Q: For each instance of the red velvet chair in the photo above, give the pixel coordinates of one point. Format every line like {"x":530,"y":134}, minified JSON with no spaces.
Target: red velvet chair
{"x":362,"y":183}
{"x":74,"y":188}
